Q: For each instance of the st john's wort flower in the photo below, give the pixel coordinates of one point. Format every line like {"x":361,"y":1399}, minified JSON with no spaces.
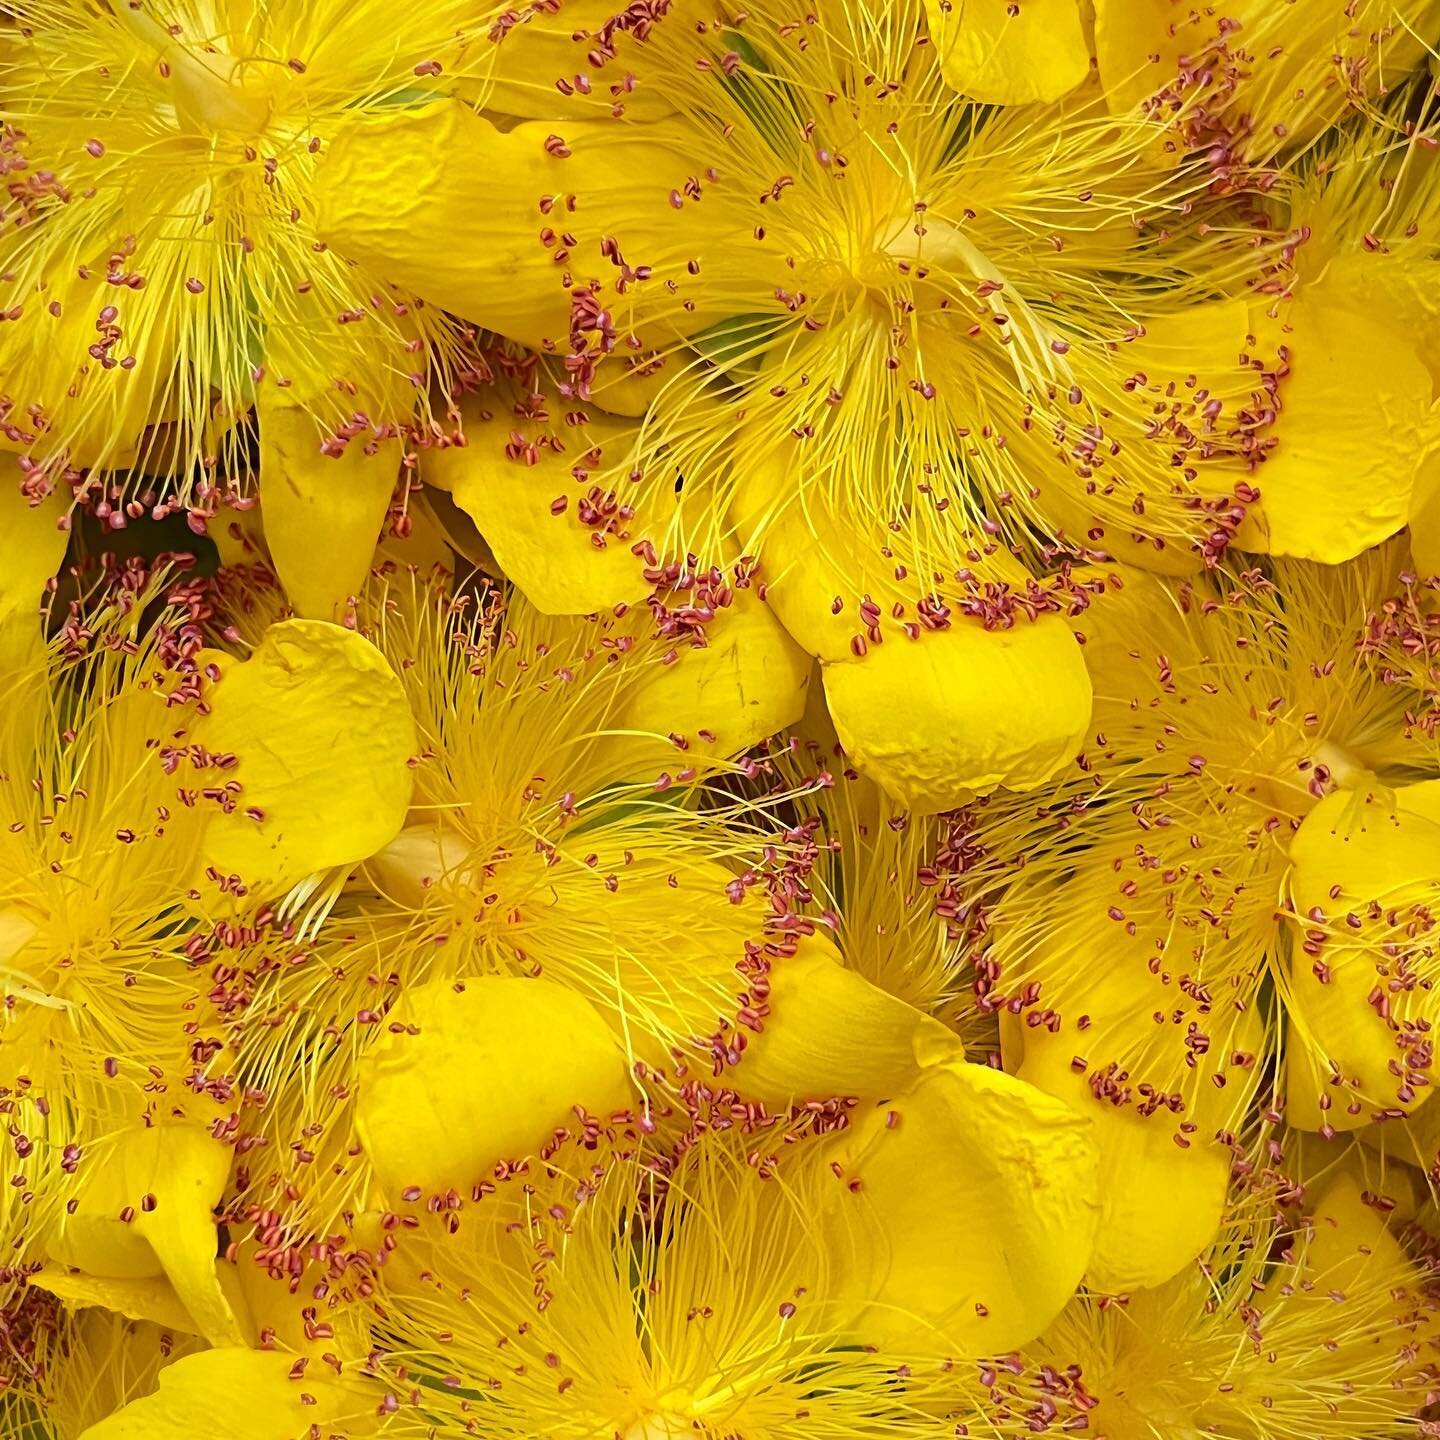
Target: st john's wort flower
{"x":1237,"y":874}
{"x":157,"y":795}
{"x":891,"y":342}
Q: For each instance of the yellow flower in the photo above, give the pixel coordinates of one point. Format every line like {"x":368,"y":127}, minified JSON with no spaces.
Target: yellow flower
{"x":567,"y":830}
{"x":890,"y":342}
{"x":1358,"y":319}
{"x":157,"y":797}
{"x":163,"y":276}
{"x":767,"y":1284}
{"x":570,"y":942}
{"x":1322,"y":1324}
{"x":1179,"y":912}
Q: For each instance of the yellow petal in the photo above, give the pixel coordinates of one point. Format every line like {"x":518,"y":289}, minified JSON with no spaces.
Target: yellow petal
{"x":230,"y":1394}
{"x":1003,"y":53}
{"x":1113,"y":624}
{"x":329,"y":403}
{"x":830,"y":1032}
{"x":238,"y":537}
{"x":274,"y":1308}
{"x":481,"y":1072}
{"x":1303,"y":70}
{"x":1163,"y":1202}
{"x":639,"y":917}
{"x":323,"y":737}
{"x":322,"y":514}
{"x":1138,"y":45}
{"x":1350,"y":1251}
{"x":816,"y":569}
{"x":1425,"y":526}
{"x":423,"y":544}
{"x":963,"y":711}
{"x":553,"y":498}
{"x":63,"y":401}
{"x":744,"y":680}
{"x":447,"y":171}
{"x":145,"y":1209}
{"x":460,"y":533}
{"x":31,"y":546}
{"x":150,"y":1297}
{"x":651,"y":937}
{"x":966,"y":1151}
{"x":1383,"y":1163}
{"x":1365,"y":867}
{"x":1356,"y":432}
{"x":1163,"y":1205}
{"x":1193,"y":365}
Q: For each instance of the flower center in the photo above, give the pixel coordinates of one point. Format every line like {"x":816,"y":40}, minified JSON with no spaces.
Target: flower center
{"x":660,"y":1425}
{"x":1119,"y":1417}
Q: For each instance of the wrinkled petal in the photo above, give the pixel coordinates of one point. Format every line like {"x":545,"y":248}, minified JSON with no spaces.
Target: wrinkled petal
{"x":934,"y":719}
{"x":1003,"y":53}
{"x":167,"y":1181}
{"x":552,"y":498}
{"x":1356,"y":432}
{"x":830,"y":1032}
{"x":322,"y":736}
{"x":448,"y":172}
{"x":1394,"y":285}
{"x":1162,"y":1202}
{"x":1162,"y":1205}
{"x":230,"y":1394}
{"x":1366,"y":875}
{"x":481,"y":1072}
{"x":965,"y":1152}
{"x":962,"y":711}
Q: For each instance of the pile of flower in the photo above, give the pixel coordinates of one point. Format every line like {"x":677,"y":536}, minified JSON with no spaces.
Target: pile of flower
{"x":721,"y":721}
